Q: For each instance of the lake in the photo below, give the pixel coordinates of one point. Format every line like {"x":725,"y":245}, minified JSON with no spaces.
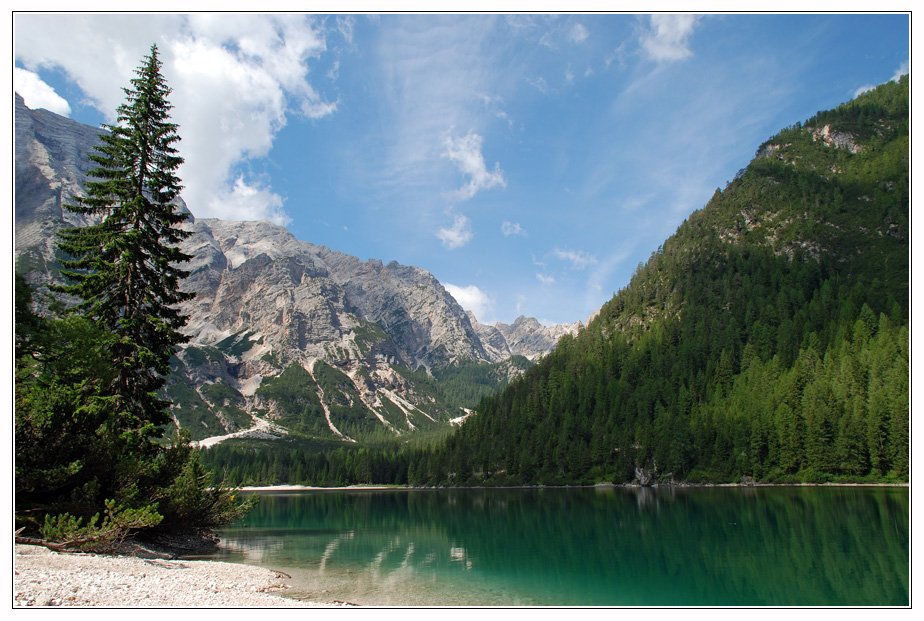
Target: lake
{"x":604,"y":546}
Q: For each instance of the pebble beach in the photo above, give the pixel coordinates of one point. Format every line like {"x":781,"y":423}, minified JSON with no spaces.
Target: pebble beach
{"x":46,"y":578}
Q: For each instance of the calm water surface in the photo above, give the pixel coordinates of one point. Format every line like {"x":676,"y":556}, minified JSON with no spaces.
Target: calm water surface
{"x":601,"y":546}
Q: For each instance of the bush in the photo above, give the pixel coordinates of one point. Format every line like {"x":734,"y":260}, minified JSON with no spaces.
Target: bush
{"x":193,"y":496}
{"x":67,"y":531}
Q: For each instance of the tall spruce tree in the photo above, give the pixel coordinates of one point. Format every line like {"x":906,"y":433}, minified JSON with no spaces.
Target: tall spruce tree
{"x":88,"y":417}
{"x":123,"y":267}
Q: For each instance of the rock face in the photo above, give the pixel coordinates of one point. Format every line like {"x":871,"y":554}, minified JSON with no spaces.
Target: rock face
{"x":836,"y":139}
{"x":51,"y":164}
{"x":266,"y":302}
{"x":527,"y":337}
{"x":284,"y":334}
{"x":308,"y":300}
{"x":524,"y":337}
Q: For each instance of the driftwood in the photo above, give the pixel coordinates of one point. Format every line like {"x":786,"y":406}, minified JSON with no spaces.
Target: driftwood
{"x":61,"y":546}
{"x":125,"y":548}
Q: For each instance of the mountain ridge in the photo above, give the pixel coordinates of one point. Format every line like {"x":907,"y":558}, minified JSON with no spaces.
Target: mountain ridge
{"x":372,"y":333}
{"x":766,"y":340}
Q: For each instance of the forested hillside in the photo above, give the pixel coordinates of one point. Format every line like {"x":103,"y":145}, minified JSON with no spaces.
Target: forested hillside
{"x":768,"y":338}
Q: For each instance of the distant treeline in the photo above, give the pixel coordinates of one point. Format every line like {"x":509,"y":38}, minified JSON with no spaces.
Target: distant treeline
{"x":840,"y":415}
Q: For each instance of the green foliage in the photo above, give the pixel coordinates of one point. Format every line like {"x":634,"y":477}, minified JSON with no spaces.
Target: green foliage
{"x":293,"y":395}
{"x":202,"y":356}
{"x":368,"y":335}
{"x":227,"y":402}
{"x":464,"y":384}
{"x":314,"y":457}
{"x":767,"y":338}
{"x":237,"y":345}
{"x":123,"y":266}
{"x":67,"y":531}
{"x":202,"y":400}
{"x":295,"y":399}
{"x":61,"y":444}
{"x":348,"y":413}
{"x":192,"y":412}
{"x":89,"y":423}
{"x":193,"y":494}
{"x":26,"y":321}
{"x":310,"y":462}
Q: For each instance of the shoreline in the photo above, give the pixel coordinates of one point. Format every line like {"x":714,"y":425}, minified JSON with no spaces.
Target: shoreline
{"x":315,"y":488}
{"x":45,"y":578}
{"x":381,"y":488}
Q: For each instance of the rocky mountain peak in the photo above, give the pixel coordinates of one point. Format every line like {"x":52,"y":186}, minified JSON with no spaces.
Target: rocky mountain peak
{"x":526,"y":337}
{"x":296,"y":335}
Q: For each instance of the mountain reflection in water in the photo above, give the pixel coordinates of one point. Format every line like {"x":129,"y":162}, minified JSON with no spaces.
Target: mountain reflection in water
{"x":598,"y":546}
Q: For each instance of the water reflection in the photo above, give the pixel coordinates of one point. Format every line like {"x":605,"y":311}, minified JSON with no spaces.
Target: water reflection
{"x":647,"y":498}
{"x":332,"y":547}
{"x":788,"y":546}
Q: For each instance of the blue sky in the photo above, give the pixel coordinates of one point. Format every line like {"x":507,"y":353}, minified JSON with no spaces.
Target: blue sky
{"x":530,"y":162}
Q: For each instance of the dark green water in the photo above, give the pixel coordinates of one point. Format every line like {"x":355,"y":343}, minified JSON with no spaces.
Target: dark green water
{"x":585,"y":547}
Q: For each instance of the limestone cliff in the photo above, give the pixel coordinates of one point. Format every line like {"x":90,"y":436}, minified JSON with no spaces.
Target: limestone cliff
{"x":285,"y":335}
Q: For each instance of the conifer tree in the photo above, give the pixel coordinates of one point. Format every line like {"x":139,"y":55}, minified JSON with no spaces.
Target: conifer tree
{"x":88,"y":416}
{"x":123,"y":267}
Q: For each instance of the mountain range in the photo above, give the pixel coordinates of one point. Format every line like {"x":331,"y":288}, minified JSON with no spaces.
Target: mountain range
{"x":766,"y":340}
{"x":287,"y":337}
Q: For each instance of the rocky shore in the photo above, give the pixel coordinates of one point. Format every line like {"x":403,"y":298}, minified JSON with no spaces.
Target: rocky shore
{"x":46,"y":578}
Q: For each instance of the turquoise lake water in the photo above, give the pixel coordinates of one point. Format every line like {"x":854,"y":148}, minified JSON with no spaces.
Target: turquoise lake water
{"x":787,"y":546}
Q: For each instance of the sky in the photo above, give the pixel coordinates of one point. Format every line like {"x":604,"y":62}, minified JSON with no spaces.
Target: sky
{"x":529,"y":161}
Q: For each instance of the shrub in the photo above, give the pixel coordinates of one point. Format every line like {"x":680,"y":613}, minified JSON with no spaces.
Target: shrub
{"x":67,"y":531}
{"x":193,"y":496}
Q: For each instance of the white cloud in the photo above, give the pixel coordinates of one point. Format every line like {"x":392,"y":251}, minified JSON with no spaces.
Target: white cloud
{"x":433,"y":73}
{"x":552,"y":31}
{"x":473,"y":299}
{"x":863,"y":89}
{"x":539,"y":83}
{"x":236,"y":79}
{"x":82,"y":45}
{"x":37,"y":94}
{"x":334,"y":72}
{"x":668,"y":37}
{"x":456,"y":236}
{"x":577,"y":258}
{"x":619,"y":55}
{"x":345,"y":25}
{"x":902,"y":70}
{"x":465,"y":153}
{"x":251,"y":202}
{"x":493,"y":103}
{"x":545,"y":279}
{"x":512,"y":228}
{"x":318,"y":109}
{"x":578,"y":33}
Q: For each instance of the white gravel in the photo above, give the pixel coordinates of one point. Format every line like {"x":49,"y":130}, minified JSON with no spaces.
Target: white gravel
{"x":46,"y":578}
